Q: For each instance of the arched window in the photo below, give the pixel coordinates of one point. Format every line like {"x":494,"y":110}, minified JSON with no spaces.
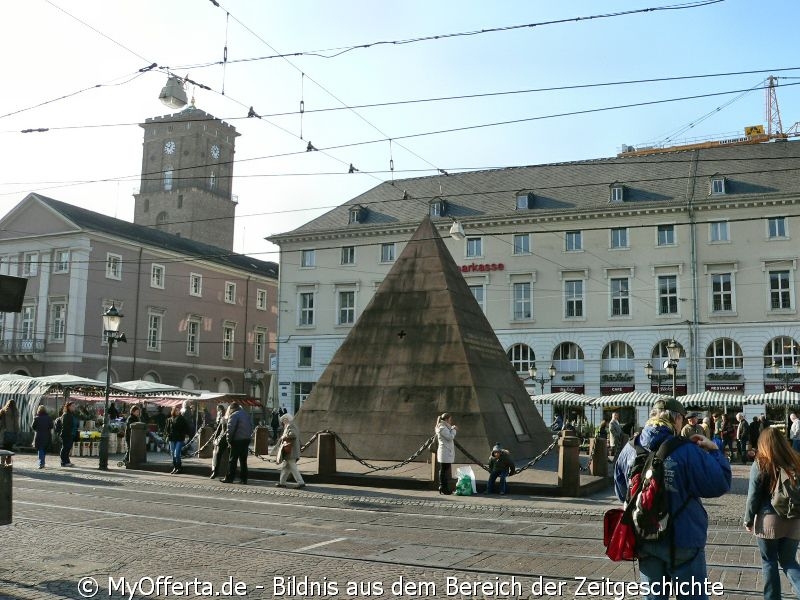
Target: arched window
{"x":617,"y":356}
{"x":152,"y":377}
{"x":161,"y":219}
{"x":661,"y":353}
{"x":190,"y":382}
{"x":225,"y":386}
{"x":783,"y":350}
{"x":568,"y":357}
{"x":724,"y":353}
{"x":168,"y":179}
{"x":522,"y":357}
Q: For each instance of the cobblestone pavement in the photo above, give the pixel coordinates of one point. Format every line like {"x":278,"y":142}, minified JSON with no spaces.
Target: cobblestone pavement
{"x":126,"y":528}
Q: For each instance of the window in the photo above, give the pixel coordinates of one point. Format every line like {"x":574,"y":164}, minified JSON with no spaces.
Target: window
{"x":522,"y":301}
{"x":724,"y":353}
{"x":479,"y":293}
{"x":387,"y":252}
{"x":521,"y":357}
{"x":437,"y":209}
{"x":302,"y":390}
{"x":356,"y":215}
{"x":113,"y":266}
{"x":155,"y":320}
{"x":168,"y":179}
{"x":261,"y":299}
{"x":573,"y":298}
{"x":193,"y":336}
{"x":783,"y":350}
{"x":304,"y":354}
{"x":30,"y":264}
{"x":617,"y":193}
{"x":61,"y":261}
{"x":162,"y":218}
{"x":573,"y":241}
{"x":212,"y":181}
{"x":666,"y":235}
{"x":474,"y":247}
{"x":348,"y":255}
{"x":259,"y":345}
{"x":522,"y":243}
{"x":620,"y":297}
{"x":308,"y":258}
{"x":617,"y":356}
{"x":717,"y":185}
{"x":195,"y":284}
{"x":719,"y":231}
{"x":619,"y":237}
{"x":306,"y":308}
{"x":28,"y":321}
{"x":228,"y":338}
{"x":346,"y":309}
{"x":721,"y":292}
{"x":777,"y":227}
{"x":524,"y":200}
{"x":58,"y":320}
{"x":157,"y":276}
{"x":668,"y":294}
{"x":780,"y":290}
{"x":230,"y":292}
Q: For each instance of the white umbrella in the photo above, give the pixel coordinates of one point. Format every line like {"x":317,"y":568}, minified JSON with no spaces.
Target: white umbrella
{"x":67,"y":380}
{"x":140,"y":387}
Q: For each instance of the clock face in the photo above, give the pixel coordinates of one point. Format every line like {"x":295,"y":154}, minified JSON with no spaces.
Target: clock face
{"x":169,"y":147}
{"x":215,"y":151}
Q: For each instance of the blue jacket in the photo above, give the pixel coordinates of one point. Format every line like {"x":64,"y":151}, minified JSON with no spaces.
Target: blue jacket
{"x":240,"y":427}
{"x":689,"y":472}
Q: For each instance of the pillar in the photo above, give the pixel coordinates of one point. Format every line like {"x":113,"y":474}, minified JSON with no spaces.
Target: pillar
{"x":326,"y":454}
{"x":6,"y":477}
{"x":598,"y":450}
{"x":206,"y":434}
{"x":138,"y":444}
{"x":261,"y":446}
{"x":569,"y":475}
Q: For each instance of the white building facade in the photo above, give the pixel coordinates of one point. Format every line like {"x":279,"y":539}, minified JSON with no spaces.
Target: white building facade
{"x":592,"y":267}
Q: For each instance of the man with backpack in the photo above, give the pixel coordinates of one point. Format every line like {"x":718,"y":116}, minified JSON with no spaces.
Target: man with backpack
{"x":676,"y":477}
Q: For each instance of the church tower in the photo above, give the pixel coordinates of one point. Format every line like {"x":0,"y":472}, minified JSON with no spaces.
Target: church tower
{"x":187,"y":168}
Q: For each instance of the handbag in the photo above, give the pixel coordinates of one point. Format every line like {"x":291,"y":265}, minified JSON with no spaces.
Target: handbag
{"x":286,"y":448}
{"x":619,"y":537}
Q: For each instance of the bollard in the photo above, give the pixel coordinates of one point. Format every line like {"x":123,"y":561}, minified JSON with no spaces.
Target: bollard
{"x":6,"y":473}
{"x":326,"y":454}
{"x":261,"y":445}
{"x":137,"y":453}
{"x":205,"y":435}
{"x":599,"y":453}
{"x":569,"y":475}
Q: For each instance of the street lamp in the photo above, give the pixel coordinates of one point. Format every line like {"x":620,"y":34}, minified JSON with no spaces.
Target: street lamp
{"x":785,"y":376}
{"x":253,"y":377}
{"x":658,"y":376}
{"x":112,"y":319}
{"x":670,"y":366}
{"x":541,"y":380}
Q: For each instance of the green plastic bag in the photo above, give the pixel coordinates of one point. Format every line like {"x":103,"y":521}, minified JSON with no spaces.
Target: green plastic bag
{"x":465,"y":486}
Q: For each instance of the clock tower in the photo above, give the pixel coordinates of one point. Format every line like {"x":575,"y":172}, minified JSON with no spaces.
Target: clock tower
{"x":187,"y":168}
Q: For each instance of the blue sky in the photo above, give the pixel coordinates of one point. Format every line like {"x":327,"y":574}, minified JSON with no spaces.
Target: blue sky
{"x":92,"y":154}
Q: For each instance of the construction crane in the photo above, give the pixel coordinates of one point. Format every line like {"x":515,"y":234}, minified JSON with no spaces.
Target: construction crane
{"x":754,"y":134}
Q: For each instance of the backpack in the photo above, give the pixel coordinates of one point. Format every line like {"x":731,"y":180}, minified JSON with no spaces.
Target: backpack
{"x":647,"y":495}
{"x":786,"y":496}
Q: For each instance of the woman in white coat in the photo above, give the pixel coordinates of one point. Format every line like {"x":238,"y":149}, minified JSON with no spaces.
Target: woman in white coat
{"x":289,"y":452}
{"x":446,"y":452}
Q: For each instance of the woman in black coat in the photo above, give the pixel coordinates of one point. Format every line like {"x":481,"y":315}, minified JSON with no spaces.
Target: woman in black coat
{"x":42,"y":426}
{"x":177,"y":430}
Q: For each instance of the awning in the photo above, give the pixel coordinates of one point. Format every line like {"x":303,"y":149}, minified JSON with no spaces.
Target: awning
{"x":563,"y":399}
{"x":629,"y":399}
{"x":781,"y":398}
{"x":713,"y":399}
{"x":140,"y":387}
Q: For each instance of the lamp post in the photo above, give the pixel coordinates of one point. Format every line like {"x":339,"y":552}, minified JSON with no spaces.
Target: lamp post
{"x":670,"y":366}
{"x":111,"y":322}
{"x":253,"y":377}
{"x":658,"y":376}
{"x":541,"y":380}
{"x":785,"y":376}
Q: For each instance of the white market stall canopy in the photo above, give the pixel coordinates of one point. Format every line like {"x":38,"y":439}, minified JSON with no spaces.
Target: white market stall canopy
{"x":713,"y":400}
{"x":140,"y":387}
{"x":781,"y":398}
{"x":563,"y":399}
{"x":630,"y":399}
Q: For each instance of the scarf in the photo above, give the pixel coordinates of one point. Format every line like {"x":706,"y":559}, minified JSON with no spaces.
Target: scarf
{"x":660,"y":422}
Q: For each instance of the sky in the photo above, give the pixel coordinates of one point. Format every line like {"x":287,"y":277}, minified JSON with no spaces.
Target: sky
{"x":74,"y":68}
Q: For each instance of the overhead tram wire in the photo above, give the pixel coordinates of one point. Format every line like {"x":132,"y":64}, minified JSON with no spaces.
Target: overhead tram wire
{"x":443,"y":36}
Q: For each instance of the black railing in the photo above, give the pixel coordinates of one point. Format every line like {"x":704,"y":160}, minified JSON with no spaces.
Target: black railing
{"x":33,"y":346}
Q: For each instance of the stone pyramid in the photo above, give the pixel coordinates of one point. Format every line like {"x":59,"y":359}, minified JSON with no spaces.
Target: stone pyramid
{"x":422,"y":347}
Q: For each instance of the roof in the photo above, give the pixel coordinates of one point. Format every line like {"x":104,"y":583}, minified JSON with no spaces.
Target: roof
{"x":140,"y":234}
{"x":558,"y":188}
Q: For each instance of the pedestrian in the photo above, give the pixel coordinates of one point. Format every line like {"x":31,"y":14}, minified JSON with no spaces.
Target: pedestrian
{"x":274,"y":423}
{"x":707,"y":427}
{"x":777,"y":537}
{"x":742,"y":433}
{"x":113,"y":413}
{"x":69,"y":429}
{"x":693,"y":471}
{"x":240,"y":430}
{"x":219,"y":440}
{"x":188,"y":414}
{"x":602,"y":430}
{"x":727,"y":434}
{"x":692,"y":427}
{"x":446,"y":451}
{"x":617,"y":437}
{"x":160,"y":420}
{"x":9,"y":424}
{"x":794,"y":432}
{"x":133,"y":417}
{"x":764,"y":424}
{"x":42,"y":426}
{"x":755,"y":430}
{"x":289,"y":451}
{"x":177,"y":430}
{"x":500,"y":465}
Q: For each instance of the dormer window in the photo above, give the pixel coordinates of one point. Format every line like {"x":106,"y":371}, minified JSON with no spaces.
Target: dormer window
{"x":717,"y":185}
{"x":617,"y":193}
{"x":438,"y":208}
{"x":357,"y":214}
{"x":525,"y":200}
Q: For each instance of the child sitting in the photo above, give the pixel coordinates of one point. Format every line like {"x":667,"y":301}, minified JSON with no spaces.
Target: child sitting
{"x":500,"y":465}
